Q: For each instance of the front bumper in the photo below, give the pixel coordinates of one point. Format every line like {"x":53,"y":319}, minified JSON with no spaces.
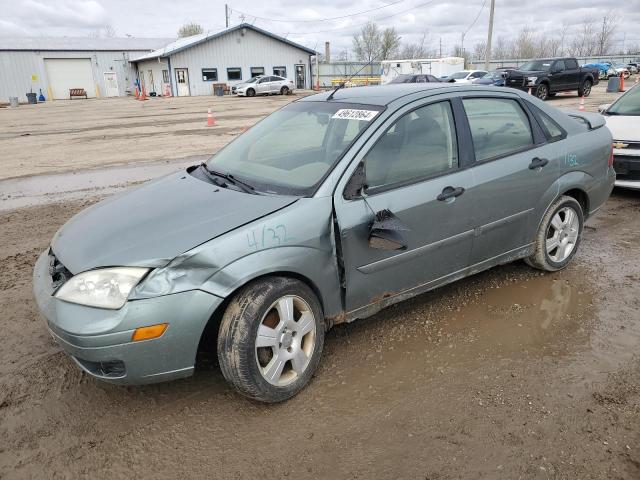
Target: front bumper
{"x":99,"y":340}
{"x":627,"y":166}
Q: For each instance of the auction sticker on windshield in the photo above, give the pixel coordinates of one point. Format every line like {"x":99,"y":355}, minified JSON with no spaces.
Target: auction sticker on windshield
{"x":354,"y":114}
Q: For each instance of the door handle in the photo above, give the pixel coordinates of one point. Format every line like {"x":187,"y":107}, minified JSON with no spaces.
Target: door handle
{"x":450,"y":192}
{"x":538,"y":163}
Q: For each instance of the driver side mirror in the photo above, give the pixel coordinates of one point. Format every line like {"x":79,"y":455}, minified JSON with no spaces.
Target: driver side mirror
{"x":386,"y":232}
{"x":604,"y":107}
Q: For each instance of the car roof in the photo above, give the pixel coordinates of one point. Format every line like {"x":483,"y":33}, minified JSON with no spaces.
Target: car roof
{"x":385,"y":94}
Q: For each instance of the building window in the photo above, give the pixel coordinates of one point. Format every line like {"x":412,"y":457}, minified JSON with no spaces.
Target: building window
{"x":280,"y":71}
{"x":255,"y":71}
{"x":209,"y":74}
{"x":165,"y":76}
{"x":234,"y":73}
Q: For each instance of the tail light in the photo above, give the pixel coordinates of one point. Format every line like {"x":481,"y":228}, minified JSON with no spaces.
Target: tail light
{"x":610,"y":163}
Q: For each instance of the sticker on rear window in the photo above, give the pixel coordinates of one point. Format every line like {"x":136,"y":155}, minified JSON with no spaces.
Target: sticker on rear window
{"x":353,"y":114}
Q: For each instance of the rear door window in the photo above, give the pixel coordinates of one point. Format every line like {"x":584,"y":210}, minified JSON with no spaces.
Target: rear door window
{"x":499,"y":126}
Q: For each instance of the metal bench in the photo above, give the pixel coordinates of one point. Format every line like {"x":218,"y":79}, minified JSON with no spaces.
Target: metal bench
{"x":77,"y":92}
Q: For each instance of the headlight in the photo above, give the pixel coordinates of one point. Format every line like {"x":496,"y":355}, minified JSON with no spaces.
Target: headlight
{"x":104,"y":288}
{"x":532,"y":79}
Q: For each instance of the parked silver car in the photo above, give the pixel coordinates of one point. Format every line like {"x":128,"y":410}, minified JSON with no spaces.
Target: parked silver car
{"x":264,"y":85}
{"x":328,"y":210}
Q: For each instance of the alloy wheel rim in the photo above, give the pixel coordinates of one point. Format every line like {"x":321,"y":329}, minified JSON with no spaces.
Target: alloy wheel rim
{"x":587,"y":89}
{"x":562,"y":234}
{"x":542,"y":92}
{"x":285,"y":340}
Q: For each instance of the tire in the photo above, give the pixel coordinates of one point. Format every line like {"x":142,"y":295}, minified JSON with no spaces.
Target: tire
{"x":289,"y":351}
{"x":542,"y":92}
{"x":284,"y":91}
{"x":585,"y":89}
{"x":626,"y":75}
{"x":554,"y":259}
{"x":251,"y":93}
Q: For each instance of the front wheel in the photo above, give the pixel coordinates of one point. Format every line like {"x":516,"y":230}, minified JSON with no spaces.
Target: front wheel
{"x":271,"y":338}
{"x":251,"y":92}
{"x":585,"y":89}
{"x":559,"y":235}
{"x":542,"y":92}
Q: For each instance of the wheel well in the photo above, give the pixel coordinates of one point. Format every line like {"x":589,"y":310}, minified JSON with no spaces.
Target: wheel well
{"x":581,"y":197}
{"x":209,"y":337}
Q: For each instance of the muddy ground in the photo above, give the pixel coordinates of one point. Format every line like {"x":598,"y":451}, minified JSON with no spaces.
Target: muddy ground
{"x":509,"y":374}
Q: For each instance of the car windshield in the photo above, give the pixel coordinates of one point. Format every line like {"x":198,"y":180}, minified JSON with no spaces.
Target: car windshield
{"x":628,"y":104}
{"x":253,"y":80}
{"x":291,"y":150}
{"x":536,"y":65}
{"x":402,"y":79}
{"x":459,"y":75}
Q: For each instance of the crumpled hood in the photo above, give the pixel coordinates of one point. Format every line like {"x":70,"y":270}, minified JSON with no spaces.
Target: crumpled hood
{"x":152,"y":224}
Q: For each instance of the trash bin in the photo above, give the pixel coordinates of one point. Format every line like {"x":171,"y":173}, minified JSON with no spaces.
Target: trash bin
{"x":13,"y":102}
{"x":613,"y":85}
{"x":219,"y":91}
{"x":32,"y":98}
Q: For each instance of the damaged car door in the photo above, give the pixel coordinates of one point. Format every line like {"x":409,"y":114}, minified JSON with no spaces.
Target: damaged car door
{"x":407,"y":225}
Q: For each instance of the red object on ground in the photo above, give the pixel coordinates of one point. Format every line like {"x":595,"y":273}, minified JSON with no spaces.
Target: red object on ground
{"x":621,"y":82}
{"x":210,"y":120}
{"x":581,"y":107}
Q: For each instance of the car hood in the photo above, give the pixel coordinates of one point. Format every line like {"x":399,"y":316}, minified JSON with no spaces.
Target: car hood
{"x":527,"y":73}
{"x":152,"y":224}
{"x":624,"y":127}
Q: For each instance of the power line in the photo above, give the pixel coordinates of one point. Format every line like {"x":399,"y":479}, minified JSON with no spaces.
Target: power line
{"x":374,"y":20}
{"x":476,"y":19}
{"x":291,"y":20}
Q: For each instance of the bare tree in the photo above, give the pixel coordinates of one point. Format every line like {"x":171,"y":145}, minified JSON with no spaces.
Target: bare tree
{"x":501,"y":49}
{"x":190,"y":29}
{"x":480,"y":50}
{"x":366,"y":43}
{"x":418,"y":49}
{"x":108,"y":31}
{"x":604,"y":36}
{"x":389,"y":44}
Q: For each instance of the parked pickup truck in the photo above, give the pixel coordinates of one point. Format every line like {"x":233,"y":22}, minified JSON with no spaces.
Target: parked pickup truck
{"x":546,"y":77}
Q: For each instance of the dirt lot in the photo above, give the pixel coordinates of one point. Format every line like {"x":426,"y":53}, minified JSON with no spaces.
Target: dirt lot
{"x":509,"y":374}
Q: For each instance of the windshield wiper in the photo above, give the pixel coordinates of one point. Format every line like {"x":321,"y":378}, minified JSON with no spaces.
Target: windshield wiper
{"x":244,"y":186}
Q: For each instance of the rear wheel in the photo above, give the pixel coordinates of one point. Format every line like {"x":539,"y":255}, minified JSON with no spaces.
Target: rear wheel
{"x":542,"y":92}
{"x":585,"y":89}
{"x":559,"y":235}
{"x":284,"y":91}
{"x":271,"y":338}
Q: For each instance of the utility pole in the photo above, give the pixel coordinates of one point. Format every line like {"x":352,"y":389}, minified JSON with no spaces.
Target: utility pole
{"x":440,"y":47}
{"x":487,"y":58}
{"x":226,"y":15}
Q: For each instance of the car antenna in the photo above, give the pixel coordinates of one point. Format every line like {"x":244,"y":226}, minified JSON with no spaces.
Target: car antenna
{"x":342,"y":84}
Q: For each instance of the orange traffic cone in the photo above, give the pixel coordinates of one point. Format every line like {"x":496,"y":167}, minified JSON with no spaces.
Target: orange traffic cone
{"x":210,"y":120}
{"x":143,"y":95}
{"x":621,"y":82}
{"x":137,"y":93}
{"x":581,"y":107}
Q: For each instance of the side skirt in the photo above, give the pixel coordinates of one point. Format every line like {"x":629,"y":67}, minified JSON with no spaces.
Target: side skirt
{"x":373,"y":308}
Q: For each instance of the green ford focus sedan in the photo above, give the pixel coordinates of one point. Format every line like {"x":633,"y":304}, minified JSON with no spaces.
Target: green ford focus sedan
{"x":326,"y":211}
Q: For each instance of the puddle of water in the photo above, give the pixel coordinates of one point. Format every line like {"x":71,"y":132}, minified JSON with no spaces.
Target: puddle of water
{"x":42,"y":189}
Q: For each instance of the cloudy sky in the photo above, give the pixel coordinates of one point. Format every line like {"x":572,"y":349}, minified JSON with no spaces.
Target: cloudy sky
{"x":313,"y":23}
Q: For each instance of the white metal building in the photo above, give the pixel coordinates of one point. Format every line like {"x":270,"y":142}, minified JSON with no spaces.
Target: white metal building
{"x":191,"y":65}
{"x":101,"y":66}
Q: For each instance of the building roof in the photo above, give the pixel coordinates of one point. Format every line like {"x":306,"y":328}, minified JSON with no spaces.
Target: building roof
{"x":81,"y":43}
{"x":188,"y":42}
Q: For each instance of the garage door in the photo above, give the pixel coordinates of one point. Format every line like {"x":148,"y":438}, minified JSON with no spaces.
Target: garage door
{"x":66,"y":73}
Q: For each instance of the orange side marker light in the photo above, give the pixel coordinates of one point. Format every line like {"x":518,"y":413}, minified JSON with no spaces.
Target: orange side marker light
{"x":148,"y":333}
